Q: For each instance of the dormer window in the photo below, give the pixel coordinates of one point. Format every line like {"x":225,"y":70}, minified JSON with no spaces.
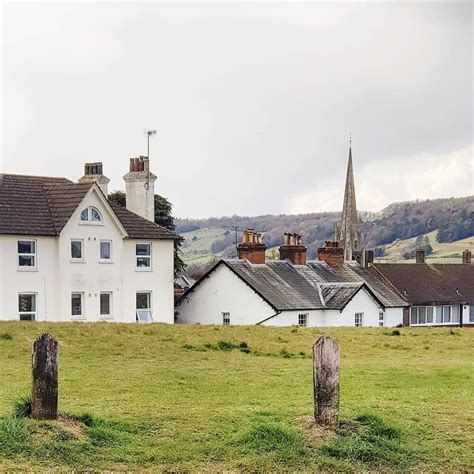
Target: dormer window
{"x":90,"y":214}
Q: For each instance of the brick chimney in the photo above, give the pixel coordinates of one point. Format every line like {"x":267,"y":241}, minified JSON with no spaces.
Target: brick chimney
{"x":251,"y":248}
{"x":331,"y":253}
{"x":140,"y":188}
{"x":368,"y":258}
{"x":292,"y":249}
{"x":420,"y":256}
{"x":93,"y":173}
{"x":466,"y":256}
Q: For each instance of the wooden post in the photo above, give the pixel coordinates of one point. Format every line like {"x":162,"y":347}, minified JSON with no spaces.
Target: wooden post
{"x":44,"y":392}
{"x":326,"y":381}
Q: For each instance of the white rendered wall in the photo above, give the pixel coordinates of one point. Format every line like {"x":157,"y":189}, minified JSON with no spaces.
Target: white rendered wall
{"x":222,"y":292}
{"x":290,"y":318}
{"x":57,"y":276}
{"x":393,"y":317}
{"x":42,"y":280}
{"x":140,"y":200}
{"x":160,"y":280}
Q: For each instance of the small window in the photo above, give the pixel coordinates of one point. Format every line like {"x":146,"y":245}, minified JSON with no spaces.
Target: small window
{"x":303,"y":319}
{"x":143,"y":254}
{"x":27,"y":306}
{"x":381,"y":318}
{"x":90,"y":214}
{"x":106,"y":304}
{"x":106,"y":250}
{"x":358,"y":319}
{"x":422,"y":315}
{"x":77,"y":304}
{"x":429,"y":314}
{"x":225,"y":319}
{"x":414,"y":315}
{"x":446,"y":314}
{"x":27,"y":253}
{"x":77,"y":249}
{"x":455,"y":314}
{"x":144,"y":312}
{"x":439,"y":314}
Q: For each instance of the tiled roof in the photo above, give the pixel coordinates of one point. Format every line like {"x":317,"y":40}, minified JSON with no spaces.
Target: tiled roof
{"x":431,"y":283}
{"x":337,"y":295}
{"x":38,"y":205}
{"x":353,"y":272}
{"x":288,"y":287}
{"x":279,"y":283}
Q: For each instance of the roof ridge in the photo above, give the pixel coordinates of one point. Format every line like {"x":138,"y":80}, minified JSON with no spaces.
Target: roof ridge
{"x":37,"y":176}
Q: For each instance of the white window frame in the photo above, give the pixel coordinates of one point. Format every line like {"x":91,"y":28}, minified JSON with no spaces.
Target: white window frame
{"x":77,"y":259}
{"x":27,"y":268}
{"x":381,"y":319}
{"x":32,"y":313}
{"x":105,"y":260}
{"x":415,"y":309}
{"x":109,"y":315}
{"x":225,"y":318}
{"x":303,"y":319}
{"x":89,"y":220}
{"x":144,"y":315}
{"x":358,"y":319}
{"x":149,"y":257}
{"x":82,"y":315}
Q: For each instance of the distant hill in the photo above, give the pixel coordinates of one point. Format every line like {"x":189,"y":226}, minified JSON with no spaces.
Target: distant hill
{"x":434,"y":222}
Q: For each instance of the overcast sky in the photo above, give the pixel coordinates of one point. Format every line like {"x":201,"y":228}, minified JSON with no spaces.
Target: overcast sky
{"x":253,"y":103}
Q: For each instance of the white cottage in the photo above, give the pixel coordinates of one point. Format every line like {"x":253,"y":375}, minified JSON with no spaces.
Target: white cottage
{"x":328,"y":292}
{"x":69,"y":254}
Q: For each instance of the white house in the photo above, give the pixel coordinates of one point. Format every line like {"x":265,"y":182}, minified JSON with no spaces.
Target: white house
{"x":328,"y":292}
{"x":69,"y":254}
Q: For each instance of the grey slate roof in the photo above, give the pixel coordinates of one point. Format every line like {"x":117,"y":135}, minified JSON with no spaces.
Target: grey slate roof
{"x":279,"y":283}
{"x":40,"y":205}
{"x":288,"y":287}
{"x":353,"y":272}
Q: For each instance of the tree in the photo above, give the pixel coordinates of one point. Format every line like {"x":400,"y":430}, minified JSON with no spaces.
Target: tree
{"x":163,"y":217}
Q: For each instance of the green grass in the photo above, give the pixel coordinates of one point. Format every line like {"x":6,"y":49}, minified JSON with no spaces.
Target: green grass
{"x":449,"y":252}
{"x":239,"y":398}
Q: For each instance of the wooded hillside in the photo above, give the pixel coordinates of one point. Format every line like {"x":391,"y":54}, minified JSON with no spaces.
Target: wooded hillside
{"x":453,"y":218}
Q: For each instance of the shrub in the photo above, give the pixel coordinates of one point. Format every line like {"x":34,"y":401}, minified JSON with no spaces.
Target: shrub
{"x":22,"y":407}
{"x":6,"y":336}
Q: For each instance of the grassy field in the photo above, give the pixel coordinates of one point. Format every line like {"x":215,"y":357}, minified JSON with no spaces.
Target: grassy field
{"x":239,"y":398}
{"x":449,"y":252}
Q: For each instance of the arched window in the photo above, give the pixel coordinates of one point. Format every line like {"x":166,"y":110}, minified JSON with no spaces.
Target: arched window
{"x":90,"y":214}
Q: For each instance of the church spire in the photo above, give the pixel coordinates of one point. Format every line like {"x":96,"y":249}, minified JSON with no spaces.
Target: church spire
{"x":348,"y":232}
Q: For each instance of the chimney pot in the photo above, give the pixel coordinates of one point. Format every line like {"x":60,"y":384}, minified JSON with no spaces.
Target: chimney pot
{"x":420,"y":256}
{"x":368,"y":258}
{"x":332,"y":254}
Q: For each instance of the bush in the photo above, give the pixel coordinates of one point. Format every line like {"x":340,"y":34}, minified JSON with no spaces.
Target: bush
{"x":6,"y":336}
{"x":22,"y":407}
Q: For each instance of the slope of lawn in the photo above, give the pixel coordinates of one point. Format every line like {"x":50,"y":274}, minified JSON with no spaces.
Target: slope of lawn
{"x":239,"y":398}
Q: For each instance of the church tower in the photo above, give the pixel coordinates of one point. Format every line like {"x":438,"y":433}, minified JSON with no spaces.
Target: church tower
{"x":348,"y":232}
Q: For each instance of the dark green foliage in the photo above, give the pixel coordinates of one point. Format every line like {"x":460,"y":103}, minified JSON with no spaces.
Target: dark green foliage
{"x":421,"y":242}
{"x":6,"y":336}
{"x":22,"y":407}
{"x":394,"y":332}
{"x":371,"y":443}
{"x":163,"y":217}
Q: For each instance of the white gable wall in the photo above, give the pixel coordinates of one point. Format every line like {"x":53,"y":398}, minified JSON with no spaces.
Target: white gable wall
{"x":90,"y":276}
{"x":222,"y":292}
{"x":291,"y":318}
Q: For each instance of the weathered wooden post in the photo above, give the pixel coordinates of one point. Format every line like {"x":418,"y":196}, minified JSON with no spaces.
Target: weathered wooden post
{"x":44,"y":392}
{"x":326,"y":381}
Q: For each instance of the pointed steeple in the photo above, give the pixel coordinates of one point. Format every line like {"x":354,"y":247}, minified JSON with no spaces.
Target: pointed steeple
{"x":348,"y":232}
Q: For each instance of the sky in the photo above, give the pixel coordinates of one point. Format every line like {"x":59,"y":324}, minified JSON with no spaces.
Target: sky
{"x":253,"y":102}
